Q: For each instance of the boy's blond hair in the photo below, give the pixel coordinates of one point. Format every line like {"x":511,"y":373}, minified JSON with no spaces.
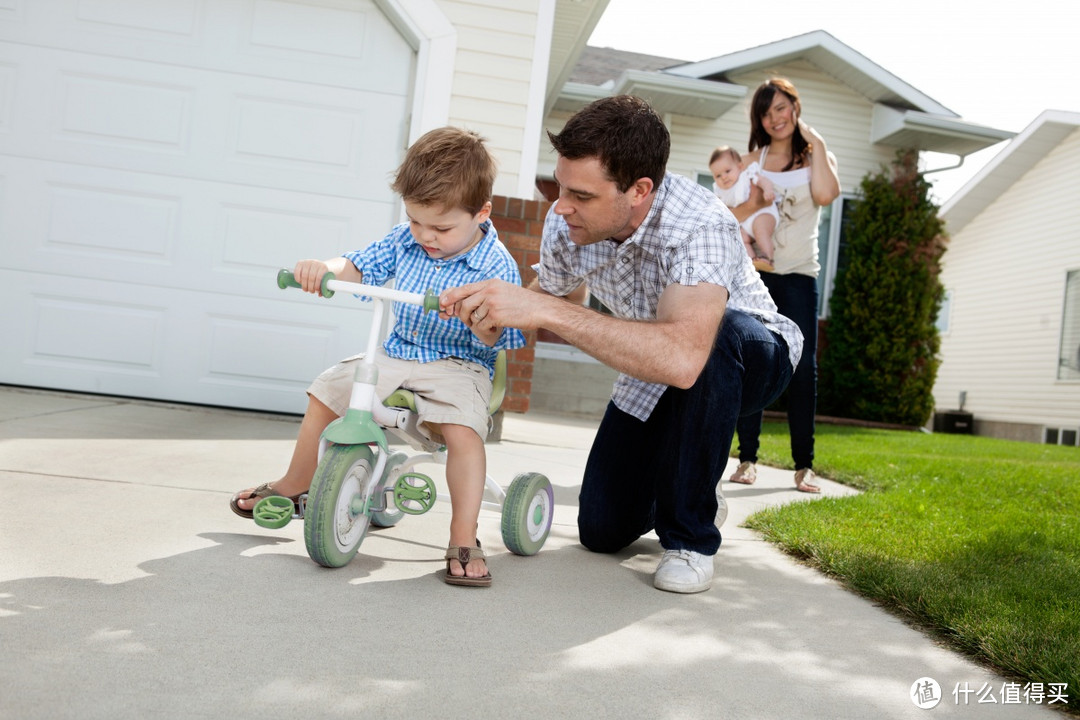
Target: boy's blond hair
{"x":447,"y":167}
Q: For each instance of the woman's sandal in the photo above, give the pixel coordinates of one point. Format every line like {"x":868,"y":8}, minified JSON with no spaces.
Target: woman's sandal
{"x":804,"y":481}
{"x":463,"y":554}
{"x":260,"y":492}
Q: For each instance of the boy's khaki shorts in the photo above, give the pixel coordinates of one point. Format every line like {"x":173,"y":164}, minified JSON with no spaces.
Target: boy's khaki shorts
{"x":451,"y":390}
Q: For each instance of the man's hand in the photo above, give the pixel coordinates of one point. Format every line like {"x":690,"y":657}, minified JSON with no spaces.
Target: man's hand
{"x":491,"y":305}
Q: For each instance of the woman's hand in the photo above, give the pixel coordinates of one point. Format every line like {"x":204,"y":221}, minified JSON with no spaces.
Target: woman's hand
{"x":812,"y":136}
{"x":824,"y":180}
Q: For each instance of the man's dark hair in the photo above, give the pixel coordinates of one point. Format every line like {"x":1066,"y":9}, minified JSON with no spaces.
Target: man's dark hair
{"x":624,"y":133}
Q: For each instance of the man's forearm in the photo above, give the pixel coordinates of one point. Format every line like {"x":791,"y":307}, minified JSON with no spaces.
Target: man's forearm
{"x":668,"y":352}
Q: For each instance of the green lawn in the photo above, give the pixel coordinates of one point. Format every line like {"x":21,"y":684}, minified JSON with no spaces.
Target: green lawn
{"x":975,"y":539}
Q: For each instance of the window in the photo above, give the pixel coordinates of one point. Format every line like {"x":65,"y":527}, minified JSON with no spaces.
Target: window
{"x":832,"y":247}
{"x":1069,"y":351}
{"x":942,"y":321}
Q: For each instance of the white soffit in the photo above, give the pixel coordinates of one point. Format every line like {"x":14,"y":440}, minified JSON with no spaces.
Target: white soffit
{"x":914,"y":129}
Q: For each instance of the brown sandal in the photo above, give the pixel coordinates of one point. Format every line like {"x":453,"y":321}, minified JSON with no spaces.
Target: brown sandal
{"x":260,"y":492}
{"x":463,"y":554}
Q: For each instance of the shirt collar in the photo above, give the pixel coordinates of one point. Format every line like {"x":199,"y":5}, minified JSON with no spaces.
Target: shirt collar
{"x":640,"y":235}
{"x":479,"y":252}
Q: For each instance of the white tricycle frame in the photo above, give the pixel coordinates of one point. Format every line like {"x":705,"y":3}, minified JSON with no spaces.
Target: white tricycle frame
{"x":359,"y":482}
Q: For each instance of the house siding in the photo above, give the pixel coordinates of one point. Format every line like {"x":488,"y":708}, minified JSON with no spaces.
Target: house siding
{"x":492,"y":75}
{"x":1006,"y":272}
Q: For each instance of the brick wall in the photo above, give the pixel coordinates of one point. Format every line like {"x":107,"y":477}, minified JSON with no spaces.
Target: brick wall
{"x":520,"y":224}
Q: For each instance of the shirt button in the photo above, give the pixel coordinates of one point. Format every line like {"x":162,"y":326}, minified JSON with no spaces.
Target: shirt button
{"x":690,"y":270}
{"x":626,"y":259}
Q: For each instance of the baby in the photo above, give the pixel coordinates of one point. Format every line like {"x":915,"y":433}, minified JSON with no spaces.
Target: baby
{"x":733,"y":188}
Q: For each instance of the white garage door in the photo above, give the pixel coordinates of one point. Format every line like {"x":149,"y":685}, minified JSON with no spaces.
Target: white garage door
{"x":160,"y":160}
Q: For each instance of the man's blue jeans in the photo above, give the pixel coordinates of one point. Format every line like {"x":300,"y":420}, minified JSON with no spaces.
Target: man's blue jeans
{"x":662,"y":473}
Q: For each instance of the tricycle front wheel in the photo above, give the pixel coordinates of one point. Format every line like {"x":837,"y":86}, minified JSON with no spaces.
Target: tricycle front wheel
{"x":339,"y":504}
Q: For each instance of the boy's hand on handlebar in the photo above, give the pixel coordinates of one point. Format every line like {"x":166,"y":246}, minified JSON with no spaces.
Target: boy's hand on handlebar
{"x":309,"y":273}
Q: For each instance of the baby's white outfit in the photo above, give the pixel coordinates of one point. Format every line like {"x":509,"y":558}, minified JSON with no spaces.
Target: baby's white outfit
{"x":738,"y":193}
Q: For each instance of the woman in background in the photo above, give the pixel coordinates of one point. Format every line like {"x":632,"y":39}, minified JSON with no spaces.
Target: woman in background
{"x":794,"y":157}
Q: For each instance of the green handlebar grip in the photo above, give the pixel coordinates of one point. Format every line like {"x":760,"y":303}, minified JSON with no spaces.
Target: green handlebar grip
{"x":285,"y":279}
{"x":431,"y":301}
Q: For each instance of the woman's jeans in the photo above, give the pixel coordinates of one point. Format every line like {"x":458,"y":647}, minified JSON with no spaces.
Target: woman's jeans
{"x":662,"y":473}
{"x":796,"y":296}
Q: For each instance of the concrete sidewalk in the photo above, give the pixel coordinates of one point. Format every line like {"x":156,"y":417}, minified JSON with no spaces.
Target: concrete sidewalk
{"x":129,"y":590}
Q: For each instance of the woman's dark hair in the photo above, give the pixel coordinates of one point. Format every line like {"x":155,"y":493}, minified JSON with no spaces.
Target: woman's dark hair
{"x":624,"y":133}
{"x":759,"y":107}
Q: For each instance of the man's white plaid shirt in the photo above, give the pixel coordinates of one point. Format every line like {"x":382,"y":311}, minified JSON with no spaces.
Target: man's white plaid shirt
{"x":688,"y":237}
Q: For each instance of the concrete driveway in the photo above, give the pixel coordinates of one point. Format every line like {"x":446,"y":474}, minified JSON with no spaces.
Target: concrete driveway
{"x":129,"y":590}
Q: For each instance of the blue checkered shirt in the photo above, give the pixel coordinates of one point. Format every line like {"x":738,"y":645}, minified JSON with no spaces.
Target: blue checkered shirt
{"x":421,"y":336}
{"x":688,"y":237}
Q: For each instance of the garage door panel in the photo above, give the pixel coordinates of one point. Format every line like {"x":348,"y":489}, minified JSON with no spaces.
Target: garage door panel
{"x":192,"y":124}
{"x":133,"y":18}
{"x":86,"y":333}
{"x":112,"y":223}
{"x":156,"y":116}
{"x":253,"y":351}
{"x":257,"y":239}
{"x":129,"y":227}
{"x":159,"y":161}
{"x":341,"y":43}
{"x":8,"y":74}
{"x":60,"y":334}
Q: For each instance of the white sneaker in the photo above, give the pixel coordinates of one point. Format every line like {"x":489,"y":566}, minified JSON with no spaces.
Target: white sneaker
{"x":721,"y":507}
{"x":684,"y":571}
{"x":745,"y":474}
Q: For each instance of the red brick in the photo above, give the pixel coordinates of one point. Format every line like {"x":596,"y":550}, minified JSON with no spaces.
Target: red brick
{"x":527,"y":242}
{"x":522,"y":355}
{"x":510,"y":225}
{"x":518,"y":405}
{"x":519,"y":370}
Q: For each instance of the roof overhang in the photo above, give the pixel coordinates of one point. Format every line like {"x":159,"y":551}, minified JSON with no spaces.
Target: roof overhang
{"x":829,"y":54}
{"x":1033,"y":144}
{"x":666,"y":93}
{"x":922,"y":131}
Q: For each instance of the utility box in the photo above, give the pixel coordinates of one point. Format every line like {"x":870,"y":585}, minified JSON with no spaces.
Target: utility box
{"x":954,"y":422}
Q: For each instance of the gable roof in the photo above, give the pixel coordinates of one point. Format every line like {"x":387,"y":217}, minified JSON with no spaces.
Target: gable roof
{"x":833,"y":57}
{"x":903,"y":116}
{"x":1033,"y":144}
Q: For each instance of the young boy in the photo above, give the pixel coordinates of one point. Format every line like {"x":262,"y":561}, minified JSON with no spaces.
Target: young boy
{"x":445,"y":183}
{"x":733,"y":188}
